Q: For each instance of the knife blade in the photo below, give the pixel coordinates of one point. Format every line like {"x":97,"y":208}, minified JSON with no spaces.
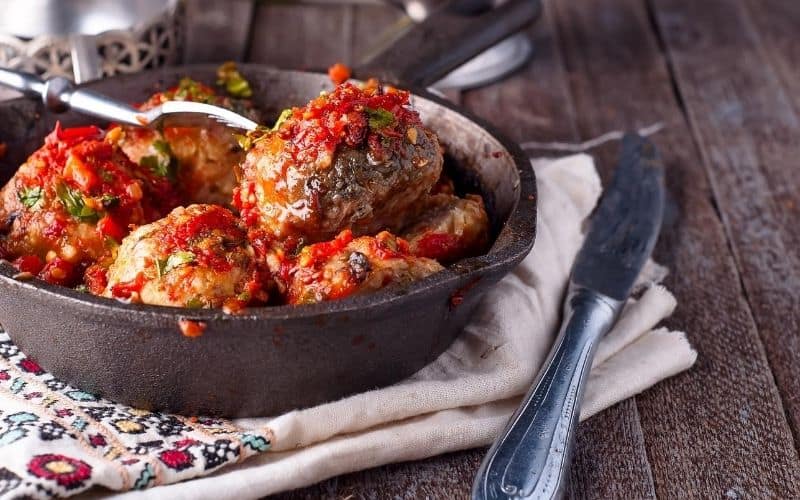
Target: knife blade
{"x":625,"y":225}
{"x":531,"y":457}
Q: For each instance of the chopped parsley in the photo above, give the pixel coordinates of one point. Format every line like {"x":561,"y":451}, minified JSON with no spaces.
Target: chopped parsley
{"x":285,"y":115}
{"x":163,"y":163}
{"x":109,"y":200}
{"x":106,"y":175}
{"x":245,"y":141}
{"x":177,"y":259}
{"x":248,"y":140}
{"x":31,"y":197}
{"x":379,"y":118}
{"x":75,"y":204}
{"x":189,"y":89}
{"x":195,"y":303}
{"x":235,"y":85}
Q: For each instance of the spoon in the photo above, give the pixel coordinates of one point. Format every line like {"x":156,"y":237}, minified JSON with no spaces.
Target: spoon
{"x":59,"y":95}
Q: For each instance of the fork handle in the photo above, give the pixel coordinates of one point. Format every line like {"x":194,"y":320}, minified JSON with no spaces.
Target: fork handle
{"x":59,"y":94}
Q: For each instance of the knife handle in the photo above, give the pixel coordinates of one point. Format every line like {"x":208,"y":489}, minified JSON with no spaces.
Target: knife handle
{"x":532,"y":456}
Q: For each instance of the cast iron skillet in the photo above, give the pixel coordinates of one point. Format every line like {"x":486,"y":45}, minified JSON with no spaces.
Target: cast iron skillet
{"x":273,"y":359}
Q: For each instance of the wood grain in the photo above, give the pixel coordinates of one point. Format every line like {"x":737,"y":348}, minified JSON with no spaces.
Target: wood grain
{"x":306,"y":37}
{"x":217,"y":31}
{"x":722,"y":420}
{"x":742,"y":104}
{"x":536,"y":104}
{"x":734,"y":67}
{"x":769,"y":111}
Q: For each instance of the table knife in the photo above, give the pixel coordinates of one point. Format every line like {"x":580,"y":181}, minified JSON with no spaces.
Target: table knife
{"x":531,"y":457}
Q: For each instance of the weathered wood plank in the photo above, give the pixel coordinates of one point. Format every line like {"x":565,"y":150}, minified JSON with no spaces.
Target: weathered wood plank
{"x":536,"y":105}
{"x":217,"y":31}
{"x":777,"y":23}
{"x":304,"y":36}
{"x":610,"y":457}
{"x":775,"y":38}
{"x":709,"y":429}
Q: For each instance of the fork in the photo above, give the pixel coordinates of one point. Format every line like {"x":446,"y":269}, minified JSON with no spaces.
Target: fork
{"x":59,"y":95}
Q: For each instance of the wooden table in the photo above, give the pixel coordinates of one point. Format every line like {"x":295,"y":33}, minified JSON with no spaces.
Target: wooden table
{"x":724,"y":78}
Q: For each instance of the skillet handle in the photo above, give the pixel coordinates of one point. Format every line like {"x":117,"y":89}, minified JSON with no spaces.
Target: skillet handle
{"x":445,"y":40}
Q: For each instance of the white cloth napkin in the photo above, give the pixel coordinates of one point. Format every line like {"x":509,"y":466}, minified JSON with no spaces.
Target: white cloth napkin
{"x":464,"y":398}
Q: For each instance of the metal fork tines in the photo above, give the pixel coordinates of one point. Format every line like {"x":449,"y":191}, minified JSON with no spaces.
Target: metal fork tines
{"x":59,"y":95}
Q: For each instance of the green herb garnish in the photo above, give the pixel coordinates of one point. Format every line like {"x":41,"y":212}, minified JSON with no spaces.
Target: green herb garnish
{"x":106,"y":175}
{"x":163,"y":163}
{"x":109,"y":200}
{"x":192,"y":90}
{"x":228,"y":76}
{"x":163,"y":266}
{"x":285,"y":115}
{"x":245,"y":141}
{"x":250,"y":139}
{"x":379,"y":118}
{"x":75,"y":204}
{"x":31,"y":197}
{"x":195,"y":303}
{"x":82,"y":288}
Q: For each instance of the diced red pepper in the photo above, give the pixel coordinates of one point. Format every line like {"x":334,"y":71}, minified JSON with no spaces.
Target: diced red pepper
{"x":190,"y":328}
{"x":339,"y":73}
{"x":59,"y":272}
{"x":96,"y":279}
{"x":77,"y":133}
{"x":127,"y":289}
{"x":81,"y":174}
{"x":439,"y":246}
{"x":108,"y":226}
{"x":29,"y":264}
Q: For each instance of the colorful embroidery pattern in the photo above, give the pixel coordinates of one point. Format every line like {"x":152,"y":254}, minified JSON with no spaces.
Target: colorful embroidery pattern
{"x":56,"y":440}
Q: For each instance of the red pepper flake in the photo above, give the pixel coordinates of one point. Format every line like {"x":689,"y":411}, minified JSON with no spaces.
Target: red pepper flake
{"x":127,"y":289}
{"x":339,"y":73}
{"x":497,"y":154}
{"x":458,"y":296}
{"x":191,"y":328}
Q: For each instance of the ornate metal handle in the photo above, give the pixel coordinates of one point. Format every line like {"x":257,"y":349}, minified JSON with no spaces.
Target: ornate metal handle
{"x":59,"y":95}
{"x":531,"y":458}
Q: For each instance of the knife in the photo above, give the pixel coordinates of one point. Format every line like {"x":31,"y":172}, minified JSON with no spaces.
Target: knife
{"x":532,"y":456}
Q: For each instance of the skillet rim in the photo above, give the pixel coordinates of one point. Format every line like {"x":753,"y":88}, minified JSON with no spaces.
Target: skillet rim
{"x":517,"y":237}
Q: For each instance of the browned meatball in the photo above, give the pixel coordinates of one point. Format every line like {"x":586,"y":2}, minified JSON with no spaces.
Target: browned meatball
{"x":200,"y":160}
{"x":346,"y":266}
{"x":357,"y":158}
{"x":73,"y":200}
{"x":197,"y":256}
{"x":451,"y":228}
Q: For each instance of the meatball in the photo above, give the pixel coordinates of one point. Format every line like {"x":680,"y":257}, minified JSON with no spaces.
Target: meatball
{"x":197,"y":257}
{"x":346,"y":266}
{"x":73,"y":200}
{"x":357,"y":158}
{"x":451,"y":228}
{"x":200,"y":160}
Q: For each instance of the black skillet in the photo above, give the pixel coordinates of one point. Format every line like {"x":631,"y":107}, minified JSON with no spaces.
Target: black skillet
{"x":269,"y":360}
